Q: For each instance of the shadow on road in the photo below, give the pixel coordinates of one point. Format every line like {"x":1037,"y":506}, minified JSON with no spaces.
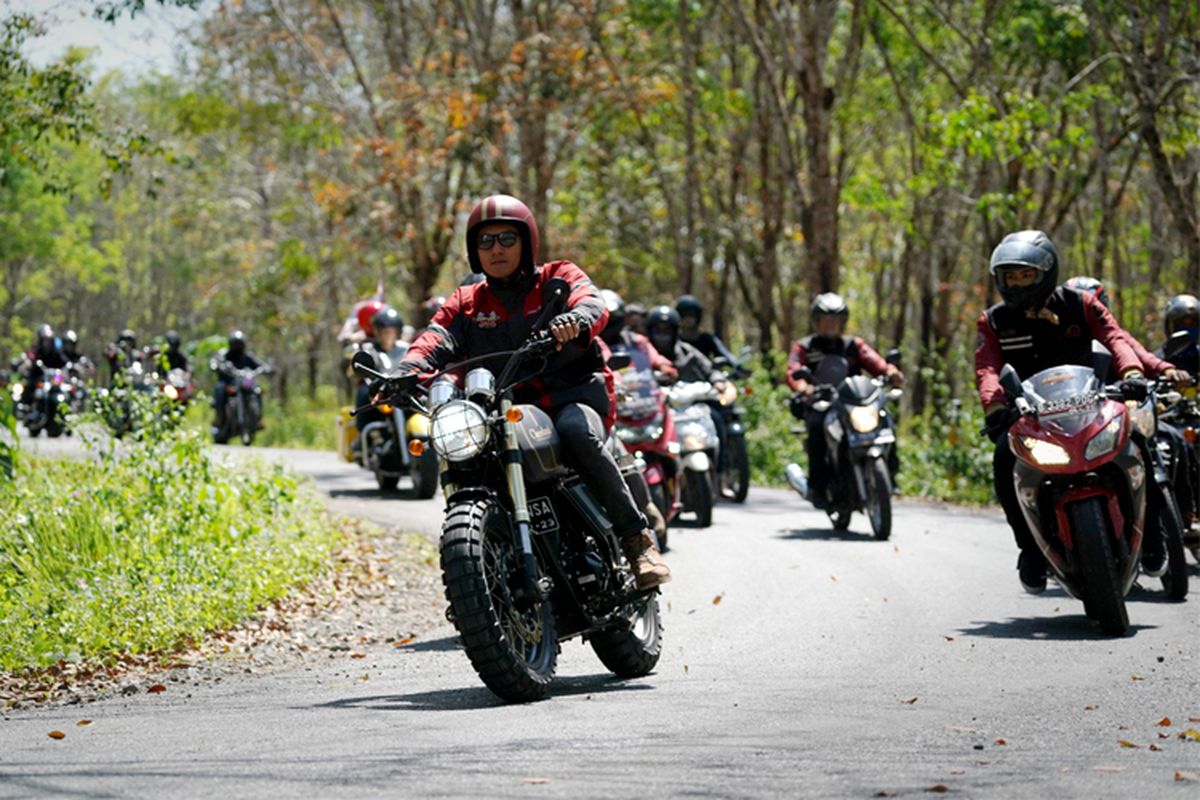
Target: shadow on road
{"x":824,"y":534}
{"x":442,"y":645}
{"x":479,"y":697}
{"x":1068,"y":628}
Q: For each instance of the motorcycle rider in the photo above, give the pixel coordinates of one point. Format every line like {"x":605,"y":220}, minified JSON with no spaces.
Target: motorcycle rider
{"x":173,"y":354}
{"x":1183,"y":314}
{"x":635,"y":317}
{"x":495,"y":315}
{"x":617,"y":333}
{"x":1036,"y":325}
{"x":122,"y":354}
{"x":662,"y":328}
{"x":77,"y":361}
{"x":691,"y":312}
{"x":226,"y":364}
{"x":829,"y":313}
{"x":45,"y":354}
{"x":387,"y":350}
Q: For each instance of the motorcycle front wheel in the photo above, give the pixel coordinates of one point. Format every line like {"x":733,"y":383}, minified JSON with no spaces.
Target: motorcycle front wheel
{"x":697,"y":486}
{"x":513,"y":650}
{"x":879,"y":499}
{"x":735,"y":478}
{"x":1102,"y":598}
{"x":632,"y":650}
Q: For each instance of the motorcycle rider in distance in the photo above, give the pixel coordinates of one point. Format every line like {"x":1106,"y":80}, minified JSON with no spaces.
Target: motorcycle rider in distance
{"x":616,"y":332}
{"x":635,"y":317}
{"x":45,"y":354}
{"x":1037,"y":325}
{"x":77,"y":361}
{"x":122,"y":354}
{"x":662,"y":329}
{"x":173,"y":354}
{"x":1183,"y":314}
{"x":495,"y":315}
{"x":691,"y":312}
{"x":225,"y":364}
{"x":387,"y":350}
{"x":829,"y":313}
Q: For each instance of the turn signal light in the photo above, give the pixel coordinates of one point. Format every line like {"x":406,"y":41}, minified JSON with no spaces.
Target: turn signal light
{"x":1190,"y":435}
{"x":386,"y":409}
{"x":416,"y":447}
{"x":514,"y":415}
{"x":747,"y":391}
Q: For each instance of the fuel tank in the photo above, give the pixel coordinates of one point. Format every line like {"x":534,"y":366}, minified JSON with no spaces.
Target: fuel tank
{"x":541,"y":451}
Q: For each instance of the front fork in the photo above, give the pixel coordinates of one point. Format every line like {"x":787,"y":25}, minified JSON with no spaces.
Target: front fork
{"x":532,"y":589}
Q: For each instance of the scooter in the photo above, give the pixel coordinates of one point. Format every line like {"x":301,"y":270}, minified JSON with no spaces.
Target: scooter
{"x":699,"y":446}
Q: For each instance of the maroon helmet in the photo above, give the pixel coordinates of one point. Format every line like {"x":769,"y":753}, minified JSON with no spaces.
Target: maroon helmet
{"x":503,"y":208}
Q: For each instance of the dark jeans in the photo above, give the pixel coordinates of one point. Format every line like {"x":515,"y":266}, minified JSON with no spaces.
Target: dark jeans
{"x":1183,"y":468}
{"x":816,"y":448}
{"x":583,"y":436}
{"x":1006,"y":492}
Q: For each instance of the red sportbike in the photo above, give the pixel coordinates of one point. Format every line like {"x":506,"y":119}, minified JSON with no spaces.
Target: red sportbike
{"x":645,"y":426}
{"x":1081,"y":482}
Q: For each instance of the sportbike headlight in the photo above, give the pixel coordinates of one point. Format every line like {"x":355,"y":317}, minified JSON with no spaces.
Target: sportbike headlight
{"x":1046,"y":453}
{"x":459,"y":430}
{"x":171,"y":392}
{"x":864,"y":419}
{"x":1104,"y":441}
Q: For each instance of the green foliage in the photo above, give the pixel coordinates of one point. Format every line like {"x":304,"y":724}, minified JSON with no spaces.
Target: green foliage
{"x":769,"y":437}
{"x":145,"y":545}
{"x":8,"y":436}
{"x":306,"y":423}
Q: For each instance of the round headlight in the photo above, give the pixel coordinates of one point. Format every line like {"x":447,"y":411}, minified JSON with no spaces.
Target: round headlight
{"x":171,"y":392}
{"x":459,"y":430}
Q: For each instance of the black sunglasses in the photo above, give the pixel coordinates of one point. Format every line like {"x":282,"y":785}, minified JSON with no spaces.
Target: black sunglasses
{"x":506,"y":239}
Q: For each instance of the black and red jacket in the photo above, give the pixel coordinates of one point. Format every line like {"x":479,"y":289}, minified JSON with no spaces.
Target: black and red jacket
{"x":1061,"y":332}
{"x":812,"y":349}
{"x":498,"y":316}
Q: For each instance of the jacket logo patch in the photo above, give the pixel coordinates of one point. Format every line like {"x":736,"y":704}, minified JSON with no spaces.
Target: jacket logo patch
{"x":489,"y":319}
{"x":1073,"y":330}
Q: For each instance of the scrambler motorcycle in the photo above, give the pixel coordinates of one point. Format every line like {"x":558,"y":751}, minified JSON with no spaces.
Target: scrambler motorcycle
{"x":1081,"y":480}
{"x":528,"y":557}
{"x":860,"y":444}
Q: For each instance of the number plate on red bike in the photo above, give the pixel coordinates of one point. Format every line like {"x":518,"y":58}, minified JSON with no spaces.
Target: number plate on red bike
{"x":542,"y":519}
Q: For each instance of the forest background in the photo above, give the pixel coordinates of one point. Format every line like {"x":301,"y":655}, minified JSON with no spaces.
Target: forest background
{"x":751,"y":152}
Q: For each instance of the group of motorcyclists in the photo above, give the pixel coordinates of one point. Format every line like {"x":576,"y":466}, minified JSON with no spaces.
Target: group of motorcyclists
{"x":159,"y":366}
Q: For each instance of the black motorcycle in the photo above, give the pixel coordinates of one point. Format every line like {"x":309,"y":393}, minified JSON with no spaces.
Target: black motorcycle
{"x":528,"y":557}
{"x":243,"y":404}
{"x":860,"y":442}
{"x":733,"y":467}
{"x":54,"y":395}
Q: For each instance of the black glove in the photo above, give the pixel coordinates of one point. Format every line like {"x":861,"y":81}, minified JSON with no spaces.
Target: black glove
{"x":997,"y":423}
{"x":1135,"y":389}
{"x":798,"y":405}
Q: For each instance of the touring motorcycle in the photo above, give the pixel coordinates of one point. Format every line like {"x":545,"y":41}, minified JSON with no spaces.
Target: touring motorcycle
{"x":528,"y":556}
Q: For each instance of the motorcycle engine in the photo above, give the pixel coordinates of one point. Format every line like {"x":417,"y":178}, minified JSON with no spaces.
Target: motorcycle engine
{"x":589,"y":570}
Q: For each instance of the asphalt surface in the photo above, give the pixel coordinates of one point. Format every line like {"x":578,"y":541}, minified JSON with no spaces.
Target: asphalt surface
{"x":798,"y":661}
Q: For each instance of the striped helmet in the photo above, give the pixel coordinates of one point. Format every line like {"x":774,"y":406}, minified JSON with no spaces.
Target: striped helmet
{"x":503,"y":208}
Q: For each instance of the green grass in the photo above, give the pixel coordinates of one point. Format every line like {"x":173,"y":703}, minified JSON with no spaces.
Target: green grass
{"x":140,"y":552}
{"x":303,"y":423}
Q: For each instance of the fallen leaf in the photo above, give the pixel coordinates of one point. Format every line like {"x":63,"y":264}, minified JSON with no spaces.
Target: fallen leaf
{"x":1165,"y":722}
{"x":909,"y":701}
{"x":962,"y":729}
{"x":1089,"y":708}
{"x":1164,"y":736}
{"x":885,"y":794}
{"x":1136,"y":678}
{"x":83,"y":723}
{"x":940,"y":788}
{"x":717,"y":599}
{"x":948,"y":638}
{"x":1193,"y":719}
{"x":895,"y":548}
{"x":157,"y":688}
{"x":1126,"y":743}
{"x":1155,"y":748}
{"x":685,"y":669}
{"x":404,"y":641}
{"x":833,"y":578}
{"x":1184,"y":775}
{"x":358,"y":655}
{"x":57,"y":735}
{"x":1109,"y":769}
{"x":537,"y":781}
{"x":1001,"y":742}
{"x":1190,"y":734}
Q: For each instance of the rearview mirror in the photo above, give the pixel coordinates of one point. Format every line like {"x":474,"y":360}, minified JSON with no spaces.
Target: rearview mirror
{"x":555,"y":293}
{"x":802,"y":374}
{"x":894,"y":357}
{"x":364,"y":365}
{"x":1011,"y":382}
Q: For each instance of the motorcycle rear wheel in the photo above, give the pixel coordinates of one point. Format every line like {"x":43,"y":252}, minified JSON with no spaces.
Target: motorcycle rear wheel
{"x":879,"y":499}
{"x":515,"y":653}
{"x":1175,"y":579}
{"x":1103,"y":599}
{"x":632,"y":652}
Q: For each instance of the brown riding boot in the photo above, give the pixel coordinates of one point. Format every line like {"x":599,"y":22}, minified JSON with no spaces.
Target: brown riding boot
{"x":649,"y":569}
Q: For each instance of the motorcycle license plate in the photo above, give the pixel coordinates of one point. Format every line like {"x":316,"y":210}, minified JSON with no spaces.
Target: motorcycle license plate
{"x":542,"y":519}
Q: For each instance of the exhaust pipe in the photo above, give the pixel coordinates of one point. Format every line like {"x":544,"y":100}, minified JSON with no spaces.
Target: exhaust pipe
{"x":797,"y":480}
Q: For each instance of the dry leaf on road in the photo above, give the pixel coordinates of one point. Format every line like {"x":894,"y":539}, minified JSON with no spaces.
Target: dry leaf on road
{"x":83,"y":723}
{"x":1184,"y":775}
{"x":717,"y":599}
{"x":1126,"y":743}
{"x":157,"y":688}
{"x":1165,"y":721}
{"x":57,"y":735}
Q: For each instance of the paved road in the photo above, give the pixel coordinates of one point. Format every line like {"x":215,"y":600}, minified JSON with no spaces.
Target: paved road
{"x":832,"y":665}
